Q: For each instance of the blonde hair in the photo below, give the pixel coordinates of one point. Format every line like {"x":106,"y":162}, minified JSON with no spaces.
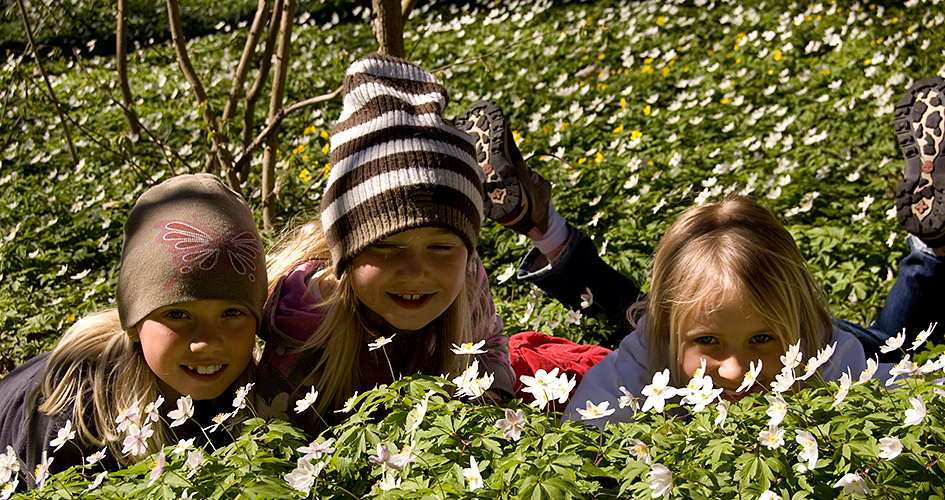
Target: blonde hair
{"x":719,"y":248}
{"x":345,"y":329}
{"x":98,"y":372}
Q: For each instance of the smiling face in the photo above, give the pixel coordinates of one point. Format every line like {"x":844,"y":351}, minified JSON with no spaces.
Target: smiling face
{"x":412,"y":277}
{"x":197,"y":348}
{"x":729,"y":337}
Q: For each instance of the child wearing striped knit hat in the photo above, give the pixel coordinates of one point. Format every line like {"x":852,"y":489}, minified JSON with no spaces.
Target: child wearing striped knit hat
{"x":388,"y":278}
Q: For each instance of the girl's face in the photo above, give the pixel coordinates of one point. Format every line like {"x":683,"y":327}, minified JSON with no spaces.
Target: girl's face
{"x":197,"y":348}
{"x":409,"y":279}
{"x":729,"y":338}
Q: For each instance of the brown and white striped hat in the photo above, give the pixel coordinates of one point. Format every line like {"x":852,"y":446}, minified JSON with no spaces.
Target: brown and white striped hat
{"x":395,"y":163}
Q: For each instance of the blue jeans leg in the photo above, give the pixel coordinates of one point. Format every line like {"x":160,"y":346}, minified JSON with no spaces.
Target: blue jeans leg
{"x":914,"y":302}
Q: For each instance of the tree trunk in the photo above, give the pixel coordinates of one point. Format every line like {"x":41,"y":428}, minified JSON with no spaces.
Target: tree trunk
{"x":389,"y":27}
{"x":275,"y":108}
{"x":121,"y":56}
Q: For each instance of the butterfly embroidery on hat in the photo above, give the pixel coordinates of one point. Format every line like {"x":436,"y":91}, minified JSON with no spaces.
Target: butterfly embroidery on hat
{"x":199,"y":249}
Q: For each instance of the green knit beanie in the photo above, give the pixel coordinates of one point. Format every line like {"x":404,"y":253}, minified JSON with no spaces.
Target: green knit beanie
{"x":190,"y":238}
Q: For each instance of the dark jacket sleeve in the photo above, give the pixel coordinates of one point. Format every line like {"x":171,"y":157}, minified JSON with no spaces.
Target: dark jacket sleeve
{"x":26,"y":429}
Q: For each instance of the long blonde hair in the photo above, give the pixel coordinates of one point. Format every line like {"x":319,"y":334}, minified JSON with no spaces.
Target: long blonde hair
{"x":98,"y":372}
{"x":718,"y":248}
{"x":345,"y":330}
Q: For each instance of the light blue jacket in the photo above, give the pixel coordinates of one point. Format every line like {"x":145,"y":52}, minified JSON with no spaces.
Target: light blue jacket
{"x":627,"y":367}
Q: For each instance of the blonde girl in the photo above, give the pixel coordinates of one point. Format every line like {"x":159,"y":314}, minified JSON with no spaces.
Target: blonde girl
{"x":191,"y":289}
{"x":387,"y":281}
{"x":729,"y":287}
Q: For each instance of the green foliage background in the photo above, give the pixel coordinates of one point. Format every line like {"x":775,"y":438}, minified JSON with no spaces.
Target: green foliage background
{"x":635,"y":110}
{"x":725,"y":98}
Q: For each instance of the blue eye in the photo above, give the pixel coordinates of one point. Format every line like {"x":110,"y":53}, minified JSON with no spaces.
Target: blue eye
{"x":762,"y":338}
{"x":706,"y":340}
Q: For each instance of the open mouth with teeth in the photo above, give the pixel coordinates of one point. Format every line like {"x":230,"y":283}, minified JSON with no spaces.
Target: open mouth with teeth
{"x":204,"y":370}
{"x":411,"y":300}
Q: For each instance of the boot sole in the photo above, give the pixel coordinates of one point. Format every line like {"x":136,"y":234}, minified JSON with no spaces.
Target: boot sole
{"x":920,"y":131}
{"x":503,"y":192}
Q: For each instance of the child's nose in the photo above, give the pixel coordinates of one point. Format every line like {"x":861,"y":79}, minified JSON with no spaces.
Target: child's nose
{"x":411,"y":265}
{"x":208,"y":336}
{"x":732,"y":369}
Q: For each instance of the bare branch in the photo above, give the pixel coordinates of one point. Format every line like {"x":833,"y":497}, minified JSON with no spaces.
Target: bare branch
{"x":42,"y":70}
{"x":163,"y":147}
{"x":274,"y":122}
{"x":217,"y":145}
{"x":481,"y":57}
{"x":121,"y":65}
{"x":249,"y":49}
{"x":249,"y":113}
{"x":276,"y":97}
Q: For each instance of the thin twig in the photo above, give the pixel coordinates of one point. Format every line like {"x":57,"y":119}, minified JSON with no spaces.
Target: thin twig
{"x":246,"y":154}
{"x":163,"y":147}
{"x":242,"y":68}
{"x":42,"y":70}
{"x":265,"y":65}
{"x":276,"y":106}
{"x":218,"y":148}
{"x":481,"y":57}
{"x":121,"y":66}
